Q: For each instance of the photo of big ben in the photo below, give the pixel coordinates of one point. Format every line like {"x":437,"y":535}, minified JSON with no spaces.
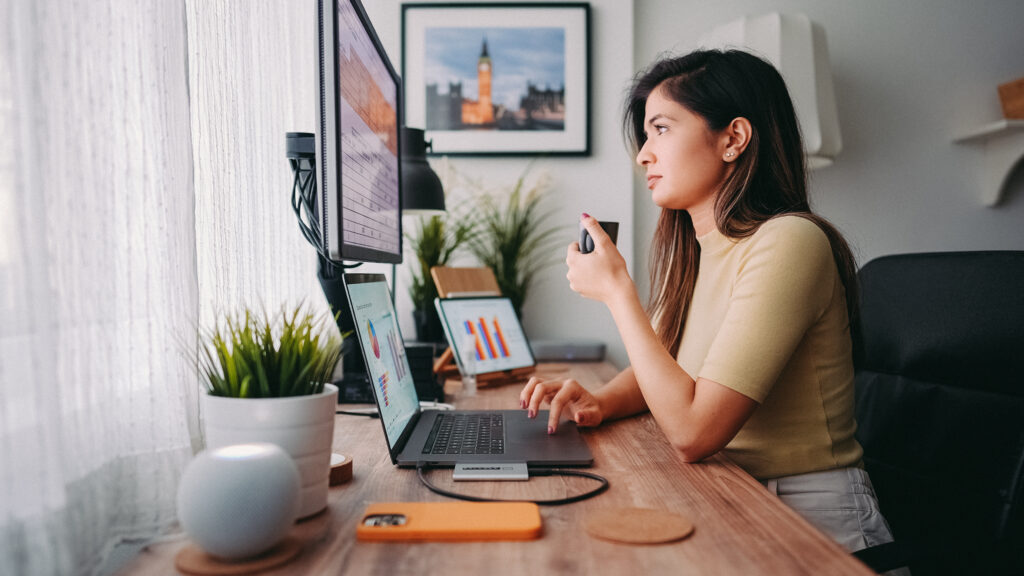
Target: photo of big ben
{"x":495,"y":79}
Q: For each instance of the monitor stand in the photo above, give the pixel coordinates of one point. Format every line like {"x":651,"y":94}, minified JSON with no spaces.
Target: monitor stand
{"x":354,"y":386}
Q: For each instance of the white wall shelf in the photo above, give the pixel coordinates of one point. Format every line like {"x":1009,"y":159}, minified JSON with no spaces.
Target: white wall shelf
{"x":1002,"y":144}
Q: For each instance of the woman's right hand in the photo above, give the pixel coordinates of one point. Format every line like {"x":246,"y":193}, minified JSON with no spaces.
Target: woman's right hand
{"x":566,"y":396}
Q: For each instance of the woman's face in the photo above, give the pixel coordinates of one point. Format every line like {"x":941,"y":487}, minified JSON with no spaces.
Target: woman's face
{"x":683,"y":158}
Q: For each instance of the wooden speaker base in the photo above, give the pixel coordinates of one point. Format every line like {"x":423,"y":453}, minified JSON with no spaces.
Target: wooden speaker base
{"x":193,"y":560}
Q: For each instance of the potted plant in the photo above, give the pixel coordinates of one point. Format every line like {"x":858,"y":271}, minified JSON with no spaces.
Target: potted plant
{"x":513,"y":239}
{"x":267,"y":381}
{"x":433,"y":240}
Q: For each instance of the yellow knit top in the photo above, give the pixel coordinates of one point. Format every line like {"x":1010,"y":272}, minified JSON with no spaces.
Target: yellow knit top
{"x":768,"y":319}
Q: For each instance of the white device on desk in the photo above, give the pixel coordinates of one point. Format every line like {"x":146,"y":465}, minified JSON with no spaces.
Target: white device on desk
{"x":417,"y":437}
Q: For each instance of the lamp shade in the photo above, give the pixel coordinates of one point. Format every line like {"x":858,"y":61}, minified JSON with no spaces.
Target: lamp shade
{"x":797,"y":48}
{"x":422,"y":192}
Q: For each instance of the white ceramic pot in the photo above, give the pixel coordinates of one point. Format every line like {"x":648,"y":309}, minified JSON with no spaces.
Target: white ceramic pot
{"x":302,"y":425}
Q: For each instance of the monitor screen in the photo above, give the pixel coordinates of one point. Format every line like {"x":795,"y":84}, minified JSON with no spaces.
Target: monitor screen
{"x":358,"y":143}
{"x":384,"y":350}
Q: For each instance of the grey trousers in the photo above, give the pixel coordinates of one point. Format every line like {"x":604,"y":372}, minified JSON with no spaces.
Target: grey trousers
{"x":840,"y":503}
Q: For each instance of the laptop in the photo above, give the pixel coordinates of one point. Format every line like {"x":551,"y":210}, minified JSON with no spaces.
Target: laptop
{"x":444,"y":437}
{"x":486,"y":337}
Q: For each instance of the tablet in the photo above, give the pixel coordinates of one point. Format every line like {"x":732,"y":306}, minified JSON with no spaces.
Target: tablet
{"x":485,"y":334}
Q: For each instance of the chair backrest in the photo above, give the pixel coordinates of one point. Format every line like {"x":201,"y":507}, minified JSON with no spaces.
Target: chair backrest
{"x":939,"y":353}
{"x":454,"y":282}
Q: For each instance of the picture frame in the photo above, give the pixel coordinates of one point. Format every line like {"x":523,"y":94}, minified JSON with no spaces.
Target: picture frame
{"x":498,"y":79}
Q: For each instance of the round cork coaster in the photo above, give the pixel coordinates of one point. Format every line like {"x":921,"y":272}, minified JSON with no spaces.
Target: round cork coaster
{"x":638,"y":526}
{"x":193,"y":560}
{"x":341,"y":469}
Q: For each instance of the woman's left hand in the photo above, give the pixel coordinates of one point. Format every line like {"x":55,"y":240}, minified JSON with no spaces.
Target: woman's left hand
{"x":600,"y":275}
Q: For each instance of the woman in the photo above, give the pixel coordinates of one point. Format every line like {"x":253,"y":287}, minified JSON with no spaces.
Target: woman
{"x":745,"y":347}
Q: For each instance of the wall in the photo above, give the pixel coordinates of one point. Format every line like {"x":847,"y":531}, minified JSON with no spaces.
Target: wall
{"x":600,"y":184}
{"x":909,"y":76}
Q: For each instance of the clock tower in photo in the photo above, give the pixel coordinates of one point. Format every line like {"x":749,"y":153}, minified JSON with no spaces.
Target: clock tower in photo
{"x":482,"y":110}
{"x":483,"y":72}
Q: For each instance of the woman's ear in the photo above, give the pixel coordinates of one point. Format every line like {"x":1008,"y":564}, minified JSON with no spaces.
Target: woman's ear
{"x":736,"y":136}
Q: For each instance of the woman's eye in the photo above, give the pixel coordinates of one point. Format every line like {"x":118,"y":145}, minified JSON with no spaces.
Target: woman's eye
{"x":661,"y":129}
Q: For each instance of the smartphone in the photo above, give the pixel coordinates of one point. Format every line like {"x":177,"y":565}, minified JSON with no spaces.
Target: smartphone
{"x":450,"y":521}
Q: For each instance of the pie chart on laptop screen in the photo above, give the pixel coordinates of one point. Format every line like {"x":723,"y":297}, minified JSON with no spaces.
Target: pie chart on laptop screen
{"x":373,"y":339}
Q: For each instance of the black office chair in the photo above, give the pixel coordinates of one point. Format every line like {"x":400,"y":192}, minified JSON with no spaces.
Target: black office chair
{"x":939,"y":353}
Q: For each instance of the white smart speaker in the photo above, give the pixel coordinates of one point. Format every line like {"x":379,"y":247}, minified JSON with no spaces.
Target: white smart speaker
{"x":238,"y":501}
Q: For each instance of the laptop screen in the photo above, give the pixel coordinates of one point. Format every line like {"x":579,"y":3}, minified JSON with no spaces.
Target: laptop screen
{"x":384,"y":350}
{"x":485,"y":334}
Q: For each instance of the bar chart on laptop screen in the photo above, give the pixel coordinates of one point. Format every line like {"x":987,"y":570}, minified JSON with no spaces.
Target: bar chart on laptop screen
{"x":488,"y":335}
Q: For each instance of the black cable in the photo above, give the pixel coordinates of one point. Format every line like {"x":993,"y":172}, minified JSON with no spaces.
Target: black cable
{"x":373,"y":414}
{"x":533,"y":472}
{"x":303,"y":202}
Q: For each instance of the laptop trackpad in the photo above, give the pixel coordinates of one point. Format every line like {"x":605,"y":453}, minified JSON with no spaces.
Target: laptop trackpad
{"x":530,"y":437}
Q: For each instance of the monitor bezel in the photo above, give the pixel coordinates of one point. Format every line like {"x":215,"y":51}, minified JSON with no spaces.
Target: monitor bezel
{"x":331,"y":131}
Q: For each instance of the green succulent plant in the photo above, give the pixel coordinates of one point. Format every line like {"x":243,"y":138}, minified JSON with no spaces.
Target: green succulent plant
{"x":251,"y":355}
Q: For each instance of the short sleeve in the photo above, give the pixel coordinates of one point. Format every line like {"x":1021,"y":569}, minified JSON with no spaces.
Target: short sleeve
{"x":784,"y":284}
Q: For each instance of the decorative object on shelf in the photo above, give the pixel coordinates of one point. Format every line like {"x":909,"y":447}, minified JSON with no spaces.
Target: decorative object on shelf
{"x":1002,"y":146}
{"x":266,"y":379}
{"x":237,"y":502}
{"x":433,"y":239}
{"x":513,"y":237}
{"x":1011,"y":97}
{"x":796,"y":46}
{"x":503,"y":79}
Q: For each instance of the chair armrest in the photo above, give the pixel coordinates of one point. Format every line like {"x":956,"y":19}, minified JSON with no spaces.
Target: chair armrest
{"x":885,"y":557}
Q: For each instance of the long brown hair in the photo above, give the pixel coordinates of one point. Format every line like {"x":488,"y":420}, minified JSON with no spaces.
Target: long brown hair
{"x":769,"y":178}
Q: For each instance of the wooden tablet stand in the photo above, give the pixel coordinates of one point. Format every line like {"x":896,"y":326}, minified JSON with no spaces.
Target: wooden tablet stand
{"x":445,"y":367}
{"x":464,"y":283}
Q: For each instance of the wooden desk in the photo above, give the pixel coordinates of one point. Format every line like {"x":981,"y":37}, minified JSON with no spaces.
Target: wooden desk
{"x":740,"y":527}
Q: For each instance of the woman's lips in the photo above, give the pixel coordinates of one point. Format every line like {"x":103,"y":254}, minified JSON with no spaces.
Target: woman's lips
{"x":651,"y":181}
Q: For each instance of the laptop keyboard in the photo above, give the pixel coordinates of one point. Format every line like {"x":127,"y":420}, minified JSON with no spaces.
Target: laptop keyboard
{"x":466,"y":434}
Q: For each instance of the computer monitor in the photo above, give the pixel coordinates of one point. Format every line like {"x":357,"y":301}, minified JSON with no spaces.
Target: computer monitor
{"x":359,"y":204}
{"x":359,"y":119}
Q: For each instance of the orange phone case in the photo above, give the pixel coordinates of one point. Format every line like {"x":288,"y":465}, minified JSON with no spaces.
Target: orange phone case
{"x":453,"y":521}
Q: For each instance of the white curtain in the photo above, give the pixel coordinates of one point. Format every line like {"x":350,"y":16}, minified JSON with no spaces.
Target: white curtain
{"x":252,"y":78}
{"x":143,"y":188}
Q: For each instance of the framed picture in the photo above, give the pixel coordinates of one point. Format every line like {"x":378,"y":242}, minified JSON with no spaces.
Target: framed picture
{"x":498,"y":79}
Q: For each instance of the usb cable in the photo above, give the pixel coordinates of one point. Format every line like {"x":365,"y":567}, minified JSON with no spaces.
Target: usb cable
{"x":533,"y":472}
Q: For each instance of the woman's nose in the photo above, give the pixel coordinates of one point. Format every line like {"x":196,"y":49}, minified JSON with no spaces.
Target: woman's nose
{"x":644,"y":157}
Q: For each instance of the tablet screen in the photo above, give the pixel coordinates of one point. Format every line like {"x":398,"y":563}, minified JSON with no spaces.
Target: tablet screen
{"x":485,"y":334}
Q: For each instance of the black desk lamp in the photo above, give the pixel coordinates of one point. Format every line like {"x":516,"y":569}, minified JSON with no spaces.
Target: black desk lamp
{"x":422,"y":193}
